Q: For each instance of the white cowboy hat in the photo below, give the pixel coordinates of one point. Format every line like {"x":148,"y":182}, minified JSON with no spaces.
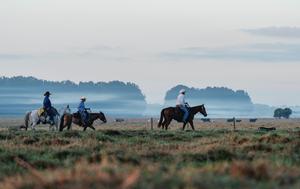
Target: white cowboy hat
{"x":182,"y":91}
{"x":83,"y":98}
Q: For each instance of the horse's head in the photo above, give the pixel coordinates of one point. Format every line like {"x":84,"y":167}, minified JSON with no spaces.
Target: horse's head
{"x":67,"y":109}
{"x":203,"y":110}
{"x":102,"y":117}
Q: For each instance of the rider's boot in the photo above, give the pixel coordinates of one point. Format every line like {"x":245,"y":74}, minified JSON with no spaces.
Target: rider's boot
{"x":44,"y":121}
{"x":51,"y":122}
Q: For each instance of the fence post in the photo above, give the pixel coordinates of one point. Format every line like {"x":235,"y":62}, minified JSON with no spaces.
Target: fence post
{"x":151,"y":120}
{"x":234,"y":123}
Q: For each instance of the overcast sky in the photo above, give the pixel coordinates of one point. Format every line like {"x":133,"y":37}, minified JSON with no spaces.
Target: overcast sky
{"x":241,"y":44}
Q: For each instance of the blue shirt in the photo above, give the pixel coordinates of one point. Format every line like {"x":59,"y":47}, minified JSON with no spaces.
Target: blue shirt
{"x":47,"y":102}
{"x":81,"y":107}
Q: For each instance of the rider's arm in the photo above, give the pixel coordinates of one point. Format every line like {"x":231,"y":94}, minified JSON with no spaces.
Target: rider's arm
{"x":81,"y":107}
{"x":46,"y":103}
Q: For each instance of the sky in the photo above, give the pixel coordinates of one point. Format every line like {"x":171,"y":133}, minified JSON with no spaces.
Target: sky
{"x":252,"y":45}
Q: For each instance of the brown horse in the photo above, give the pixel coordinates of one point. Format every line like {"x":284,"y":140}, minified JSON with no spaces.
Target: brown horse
{"x":170,"y":113}
{"x":67,"y":120}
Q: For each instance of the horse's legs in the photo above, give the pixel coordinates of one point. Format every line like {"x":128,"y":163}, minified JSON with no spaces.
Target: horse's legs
{"x":192,"y":125}
{"x":163,"y":124}
{"x":69,"y":126}
{"x":33,"y":124}
{"x":51,"y":127}
{"x":62,"y":126}
{"x":183,"y":127}
{"x":92,"y":127}
{"x":57,"y":124}
{"x":84,"y":127}
{"x":167,"y":124}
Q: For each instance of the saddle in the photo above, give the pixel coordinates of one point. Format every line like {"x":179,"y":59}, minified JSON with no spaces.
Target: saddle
{"x":180,"y":112}
{"x":178,"y":109}
{"x":77,"y":115}
{"x":41,"y":112}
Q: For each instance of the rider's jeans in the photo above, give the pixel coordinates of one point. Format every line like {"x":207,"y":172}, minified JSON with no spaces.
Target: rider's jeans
{"x":50,"y":113}
{"x":186,"y":112}
{"x":84,"y":116}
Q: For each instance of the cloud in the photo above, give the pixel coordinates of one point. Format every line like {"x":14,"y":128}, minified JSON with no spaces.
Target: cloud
{"x":277,"y":52}
{"x":286,"y":32}
{"x":95,"y":52}
{"x":13,"y":56}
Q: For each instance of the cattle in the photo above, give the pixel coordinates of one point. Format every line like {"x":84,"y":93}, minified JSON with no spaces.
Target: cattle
{"x":120,"y":120}
{"x":205,"y":120}
{"x":266,"y":129}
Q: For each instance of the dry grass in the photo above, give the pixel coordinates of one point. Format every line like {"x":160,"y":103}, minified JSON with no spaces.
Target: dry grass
{"x":130,"y":155}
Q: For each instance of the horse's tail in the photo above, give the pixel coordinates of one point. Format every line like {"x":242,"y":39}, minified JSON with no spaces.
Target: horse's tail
{"x":26,"y":119}
{"x":62,"y":121}
{"x":161,"y":118}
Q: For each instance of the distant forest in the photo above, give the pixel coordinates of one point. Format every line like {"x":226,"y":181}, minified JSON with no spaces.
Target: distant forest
{"x":115,"y":97}
{"x":20,"y":94}
{"x":223,"y":94}
{"x":219,"y":100}
{"x":131,"y":90}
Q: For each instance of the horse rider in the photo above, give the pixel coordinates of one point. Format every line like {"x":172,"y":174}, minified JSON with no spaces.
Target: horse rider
{"x":48,"y":107}
{"x":83,"y":111}
{"x":180,"y":102}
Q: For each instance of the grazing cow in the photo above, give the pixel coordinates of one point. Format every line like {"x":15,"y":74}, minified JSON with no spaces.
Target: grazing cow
{"x":230,"y":120}
{"x":266,"y":129}
{"x":205,"y":120}
{"x":120,"y":120}
{"x":253,"y":120}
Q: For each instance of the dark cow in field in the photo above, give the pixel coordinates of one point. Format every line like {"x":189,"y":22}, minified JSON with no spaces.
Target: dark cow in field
{"x":205,"y":120}
{"x":266,"y":129}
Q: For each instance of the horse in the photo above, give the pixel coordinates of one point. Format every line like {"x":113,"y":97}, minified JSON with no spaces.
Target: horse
{"x":170,"y":113}
{"x":33,"y":118}
{"x":67,"y":120}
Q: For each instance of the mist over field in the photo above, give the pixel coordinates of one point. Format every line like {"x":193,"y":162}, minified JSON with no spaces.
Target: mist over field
{"x":21,"y":94}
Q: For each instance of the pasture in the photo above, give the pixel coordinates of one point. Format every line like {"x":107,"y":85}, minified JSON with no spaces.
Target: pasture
{"x":131,"y":155}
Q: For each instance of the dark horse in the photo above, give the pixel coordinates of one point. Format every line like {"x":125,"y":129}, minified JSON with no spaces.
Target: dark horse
{"x":170,"y":113}
{"x":67,"y":119}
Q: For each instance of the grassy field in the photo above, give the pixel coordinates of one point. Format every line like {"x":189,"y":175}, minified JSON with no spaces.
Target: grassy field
{"x":130,"y":155}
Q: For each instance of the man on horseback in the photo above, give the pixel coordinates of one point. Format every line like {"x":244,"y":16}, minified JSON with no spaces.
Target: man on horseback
{"x":180,"y":102}
{"x":83,"y":111}
{"x":48,"y":107}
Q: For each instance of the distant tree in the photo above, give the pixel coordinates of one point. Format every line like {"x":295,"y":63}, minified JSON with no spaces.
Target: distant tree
{"x":285,"y":113}
{"x":277,"y":113}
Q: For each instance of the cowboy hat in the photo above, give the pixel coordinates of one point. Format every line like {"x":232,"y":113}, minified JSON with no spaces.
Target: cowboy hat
{"x":47,"y":93}
{"x":182,"y":91}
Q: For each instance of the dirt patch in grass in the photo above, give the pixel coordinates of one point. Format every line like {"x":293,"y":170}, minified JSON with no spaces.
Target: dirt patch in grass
{"x":30,"y":140}
{"x":273,"y":138}
{"x":258,"y":171}
{"x":55,"y":142}
{"x":72,"y":134}
{"x":257,"y":147}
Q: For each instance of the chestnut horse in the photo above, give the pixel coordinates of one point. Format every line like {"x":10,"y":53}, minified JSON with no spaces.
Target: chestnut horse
{"x":170,"y":113}
{"x":67,"y":120}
